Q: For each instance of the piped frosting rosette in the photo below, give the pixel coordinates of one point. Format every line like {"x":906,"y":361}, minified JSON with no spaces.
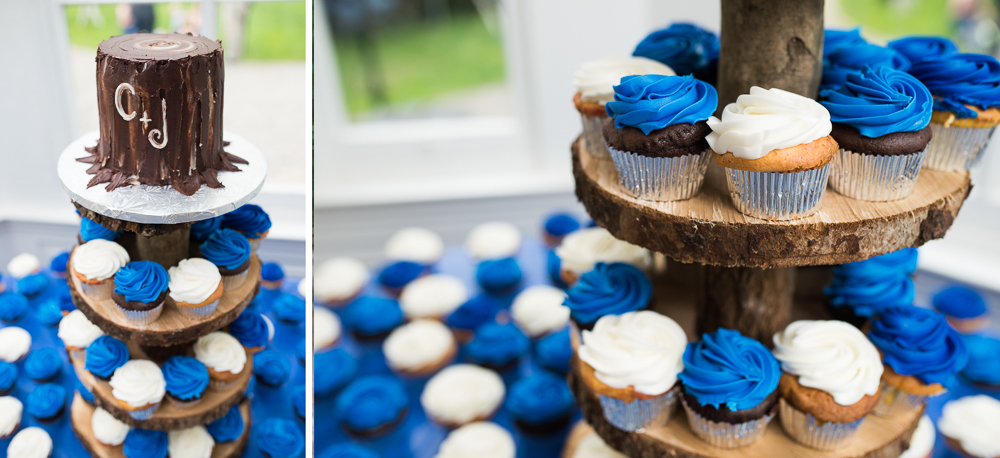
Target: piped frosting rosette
{"x":196,"y":287}
{"x":139,"y":387}
{"x":95,"y":264}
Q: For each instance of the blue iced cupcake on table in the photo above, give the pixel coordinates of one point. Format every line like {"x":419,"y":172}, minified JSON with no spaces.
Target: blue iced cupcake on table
{"x":91,"y":230}
{"x":49,"y":314}
{"x":348,"y":450}
{"x":498,"y":276}
{"x":230,"y":252}
{"x":229,"y":427}
{"x":140,"y":289}
{"x":396,"y":275}
{"x":43,"y":364}
{"x":497,"y":346}
{"x":271,"y":276}
{"x":371,"y":406}
{"x":299,"y":402}
{"x":983,"y":368}
{"x":540,"y":403}
{"x":58,"y":265}
{"x":33,"y":285}
{"x":554,"y":351}
{"x":186,"y":380}
{"x":251,"y":221}
{"x":686,"y":48}
{"x":479,"y":310}
{"x":556,"y":226}
{"x":84,"y":392}
{"x":289,"y":308}
{"x":279,"y":437}
{"x":145,"y":443}
{"x":8,"y":377}
{"x":730,"y":388}
{"x":553,"y":266}
{"x":13,"y":307}
{"x":372,"y":318}
{"x":846,"y":60}
{"x":104,"y":355}
{"x":332,"y":370}
{"x":608,"y":289}
{"x":271,"y":368}
{"x":964,"y":307}
{"x":921,"y":48}
{"x":859,"y":290}
{"x":252,"y":330}
{"x":46,"y":402}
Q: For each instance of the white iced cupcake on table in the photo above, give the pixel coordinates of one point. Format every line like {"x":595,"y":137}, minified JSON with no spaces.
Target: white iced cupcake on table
{"x":922,"y":441}
{"x":631,"y":361}
{"x":31,"y":442}
{"x":493,"y":240}
{"x":339,"y":281}
{"x":196,"y":287}
{"x":582,"y":249}
{"x":10,"y":416}
{"x":77,"y":333}
{"x":326,"y":329}
{"x":15,"y":343}
{"x":304,"y":288}
{"x":481,"y":439}
{"x":462,"y":394}
{"x":539,"y":310}
{"x":420,"y":348}
{"x":414,"y":244}
{"x":139,"y":387}
{"x":95,"y":264}
{"x":590,"y":445}
{"x":22,"y":265}
{"x":108,"y":430}
{"x":223,"y":356}
{"x":970,"y":426}
{"x":432,"y":296}
{"x":193,"y":442}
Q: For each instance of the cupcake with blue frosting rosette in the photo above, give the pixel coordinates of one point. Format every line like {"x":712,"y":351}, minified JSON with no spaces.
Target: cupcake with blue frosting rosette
{"x":194,"y":442}
{"x":49,"y":313}
{"x":105,"y":355}
{"x":859,"y":290}
{"x":271,"y":276}
{"x":140,"y":289}
{"x":46,"y":402}
{"x":278,"y":437}
{"x":202,"y":230}
{"x":609,"y":289}
{"x":540,"y":403}
{"x":631,"y":362}
{"x":557,"y":225}
{"x":186,"y":380}
{"x":251,"y":329}
{"x":196,"y":287}
{"x":371,"y":406}
{"x":33,"y":285}
{"x":594,"y":82}
{"x":964,"y":307}
{"x":290,"y":309}
{"x":848,"y":60}
{"x":95,"y":265}
{"x":91,"y":230}
{"x":229,"y":427}
{"x":348,"y":450}
{"x":554,"y":351}
{"x":107,"y":429}
{"x":983,"y":369}
{"x":224,"y":356}
{"x":138,"y":386}
{"x":480,"y":309}
{"x":43,"y":365}
{"x":880,"y":118}
{"x":730,"y":386}
{"x":333,"y":370}
{"x":396,"y":275}
{"x":372,"y":318}
{"x":686,"y":48}
{"x":230,"y":252}
{"x":251,"y":221}
{"x":271,"y":368}
{"x":498,"y":276}
{"x":656,"y":135}
{"x":834,"y":40}
{"x":921,"y":48}
{"x":497,"y":346}
{"x":966,"y":90}
{"x":145,"y":443}
{"x":58,"y":265}
{"x":8,"y":377}
{"x":13,"y":307}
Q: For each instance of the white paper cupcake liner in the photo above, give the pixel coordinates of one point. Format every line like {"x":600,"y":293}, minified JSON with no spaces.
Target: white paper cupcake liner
{"x":875,"y":178}
{"x":231,"y":282}
{"x":640,"y":414}
{"x":814,"y":433}
{"x":199,"y":312}
{"x":726,"y":435}
{"x":100,"y":291}
{"x":660,"y":179}
{"x":142,"y":317}
{"x":956,"y":149}
{"x":777,"y":195}
{"x":593,"y":135}
{"x":894,"y":401}
{"x":144,"y":414}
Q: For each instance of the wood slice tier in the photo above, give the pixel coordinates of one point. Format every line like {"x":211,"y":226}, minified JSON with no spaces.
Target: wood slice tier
{"x":81,"y":412}
{"x":708,"y":229}
{"x":171,"y":328}
{"x":213,"y":406}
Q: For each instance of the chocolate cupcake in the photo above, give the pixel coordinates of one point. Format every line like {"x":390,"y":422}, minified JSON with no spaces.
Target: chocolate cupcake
{"x":371,"y":406}
{"x":230,"y":252}
{"x":540,"y":403}
{"x":609,"y":289}
{"x":860,"y":290}
{"x":251,"y":221}
{"x":497,"y":346}
{"x":140,"y":289}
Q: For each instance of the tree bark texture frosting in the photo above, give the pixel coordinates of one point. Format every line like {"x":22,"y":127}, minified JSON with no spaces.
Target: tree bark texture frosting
{"x":159,"y":100}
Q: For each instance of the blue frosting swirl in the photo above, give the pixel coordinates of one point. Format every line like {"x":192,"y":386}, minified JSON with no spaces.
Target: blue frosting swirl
{"x":289,"y":308}
{"x":651,"y":102}
{"x":868,"y":299}
{"x":919,"y":342}
{"x":371,"y":316}
{"x":919,"y":49}
{"x":957,"y":80}
{"x":202,"y":230}
{"x":332,"y":370}
{"x":560,"y":224}
{"x":250,"y":329}
{"x":538,"y":399}
{"x":851,"y":59}
{"x":46,"y":401}
{"x":141,"y":281}
{"x":685,"y":48}
{"x":983,"y":366}
{"x":271,"y":367}
{"x":59,"y":262}
{"x":279,"y":437}
{"x":229,"y":427}
{"x":476,"y":311}
{"x":145,"y":443}
{"x":271,"y":271}
{"x":249,"y":219}
{"x":84,"y":392}
{"x":13,"y":306}
{"x":960,"y":302}
{"x":371,"y":402}
{"x":43,"y":364}
{"x":837,"y":39}
{"x":104,"y":355}
{"x":496,"y":345}
{"x":554,"y":266}
{"x":554,"y":351}
{"x":226,"y":248}
{"x":299,"y":401}
{"x":186,"y":377}
{"x":49,"y":313}
{"x":608,"y":289}
{"x":398,"y":274}
{"x":728,"y":368}
{"x":66,"y":299}
{"x":348,"y":450}
{"x":879,"y":268}
{"x":32,"y":285}
{"x":91,"y":230}
{"x":880,"y":101}
{"x":8,"y":376}
{"x":498,"y":275}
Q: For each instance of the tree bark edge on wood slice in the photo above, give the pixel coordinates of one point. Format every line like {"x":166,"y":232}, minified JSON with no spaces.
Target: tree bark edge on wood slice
{"x":143,"y":229}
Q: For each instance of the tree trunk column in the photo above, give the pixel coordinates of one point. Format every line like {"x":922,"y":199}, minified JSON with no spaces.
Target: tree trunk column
{"x":166,"y":250}
{"x":757,"y":302}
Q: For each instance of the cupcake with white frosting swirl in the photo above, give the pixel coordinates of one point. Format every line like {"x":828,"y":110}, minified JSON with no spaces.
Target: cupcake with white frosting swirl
{"x":95,"y":264}
{"x":462,"y":394}
{"x":339,"y":281}
{"x":22,"y":265}
{"x":493,"y":240}
{"x":10,"y":416}
{"x":539,"y":310}
{"x":581,"y":250}
{"x":414,"y":244}
{"x":31,"y":442}
{"x":193,"y":442}
{"x":420,"y":348}
{"x":223,"y":355}
{"x":433,"y":296}
{"x":139,"y":387}
{"x":15,"y":343}
{"x":77,"y":333}
{"x":970,"y":426}
{"x":108,"y":430}
{"x":481,"y":439}
{"x":196,"y":287}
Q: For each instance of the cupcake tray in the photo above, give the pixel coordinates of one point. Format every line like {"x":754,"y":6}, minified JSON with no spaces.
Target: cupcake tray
{"x":81,"y":412}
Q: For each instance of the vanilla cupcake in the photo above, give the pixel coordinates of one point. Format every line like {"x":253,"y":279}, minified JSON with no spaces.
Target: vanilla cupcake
{"x":414,"y":244}
{"x":970,"y":426}
{"x":582,"y":249}
{"x":95,"y":264}
{"x":108,"y":430}
{"x":224,"y":356}
{"x":326,"y":329}
{"x":10,"y":416}
{"x":22,"y":265}
{"x":493,"y":240}
{"x":462,"y":394}
{"x":481,"y":439}
{"x":15,"y":343}
{"x":196,"y":287}
{"x":139,"y":387}
{"x":77,"y":333}
{"x":193,"y":442}
{"x":339,"y":281}
{"x":433,"y":296}
{"x":419,"y":349}
{"x":539,"y":310}
{"x":31,"y":442}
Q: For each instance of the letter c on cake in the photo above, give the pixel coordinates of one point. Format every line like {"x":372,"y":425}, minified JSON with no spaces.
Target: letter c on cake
{"x":118,"y":101}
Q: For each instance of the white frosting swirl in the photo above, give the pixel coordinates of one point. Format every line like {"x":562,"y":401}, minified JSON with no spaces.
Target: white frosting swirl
{"x":481,"y":439}
{"x":462,"y":393}
{"x":10,"y":415}
{"x":414,"y":244}
{"x":432,"y":296}
{"x":138,"y":383}
{"x":418,"y":344}
{"x":220,"y":351}
{"x":830,"y":356}
{"x":23,"y":265}
{"x":639,"y":349}
{"x":108,"y":429}
{"x":339,"y":279}
{"x":582,"y":249}
{"x":76,"y":330}
{"x":326,"y":328}
{"x":766,"y":120}
{"x":304,"y":288}
{"x":31,"y":442}
{"x":539,"y":310}
{"x":190,"y":443}
{"x":973,"y":422}
{"x":592,"y":446}
{"x":596,"y":80}
{"x":494,"y":240}
{"x":15,"y":342}
{"x":99,"y":259}
{"x":193,"y":280}
{"x":922,"y":441}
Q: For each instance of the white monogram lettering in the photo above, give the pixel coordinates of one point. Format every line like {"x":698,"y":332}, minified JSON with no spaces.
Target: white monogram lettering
{"x":118,"y":101}
{"x":156,"y":132}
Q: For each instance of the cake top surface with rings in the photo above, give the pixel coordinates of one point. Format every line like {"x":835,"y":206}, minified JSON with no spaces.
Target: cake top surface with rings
{"x":155,"y":46}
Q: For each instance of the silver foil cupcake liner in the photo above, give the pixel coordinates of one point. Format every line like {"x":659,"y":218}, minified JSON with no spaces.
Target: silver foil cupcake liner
{"x":777,"y":195}
{"x":100,"y":291}
{"x":142,"y":317}
{"x":639,"y":414}
{"x":956,"y":149}
{"x":184,"y":405}
{"x":199,"y":312}
{"x":875,"y":178}
{"x":593,"y":135}
{"x":143,"y":414}
{"x":726,"y":435}
{"x":231,"y":282}
{"x":255,"y":244}
{"x":660,"y":179}
{"x":77,"y":353}
{"x":814,"y":433}
{"x":894,"y":401}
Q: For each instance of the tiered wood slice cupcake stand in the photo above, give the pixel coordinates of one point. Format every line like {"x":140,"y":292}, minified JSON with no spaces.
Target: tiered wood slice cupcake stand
{"x":748,"y":266}
{"x":158,"y":229}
